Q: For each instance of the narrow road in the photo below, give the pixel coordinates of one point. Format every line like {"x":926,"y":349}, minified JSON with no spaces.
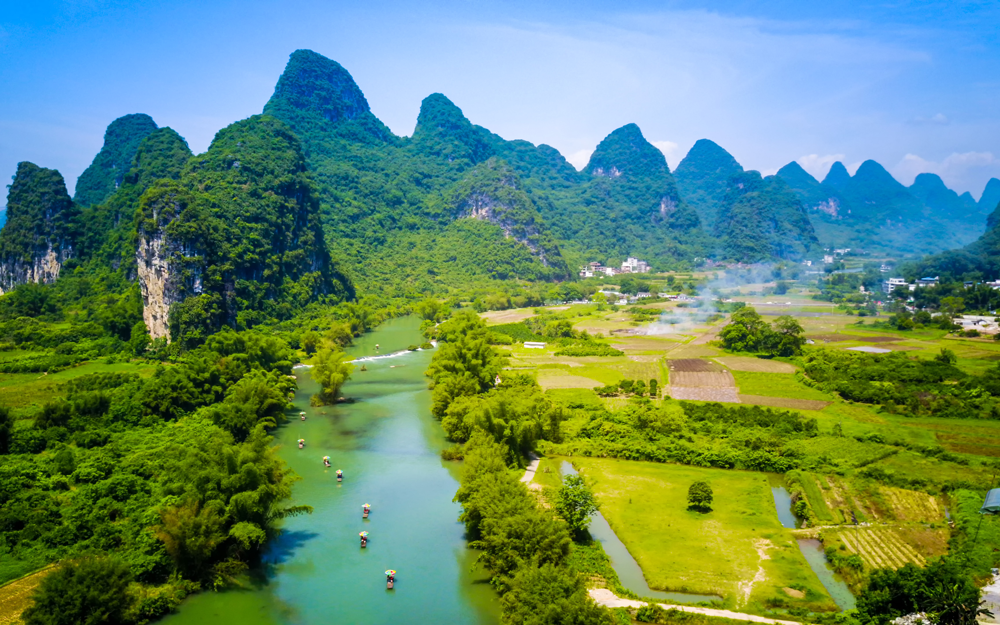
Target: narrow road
{"x":603,"y":596}
{"x":529,"y":472}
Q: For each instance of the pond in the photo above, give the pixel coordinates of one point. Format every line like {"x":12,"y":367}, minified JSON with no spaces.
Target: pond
{"x":388,"y":445}
{"x":628,"y":570}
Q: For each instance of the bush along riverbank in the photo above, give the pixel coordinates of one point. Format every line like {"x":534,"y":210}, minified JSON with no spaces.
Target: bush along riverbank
{"x":148,"y":488}
{"x":524,"y":547}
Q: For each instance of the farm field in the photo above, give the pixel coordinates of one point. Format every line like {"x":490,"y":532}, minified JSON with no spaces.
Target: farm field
{"x":32,"y":390}
{"x":883,"y":524}
{"x":739,"y":550}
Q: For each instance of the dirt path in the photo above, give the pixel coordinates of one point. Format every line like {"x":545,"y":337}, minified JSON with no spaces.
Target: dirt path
{"x":603,"y":596}
{"x":529,"y":472}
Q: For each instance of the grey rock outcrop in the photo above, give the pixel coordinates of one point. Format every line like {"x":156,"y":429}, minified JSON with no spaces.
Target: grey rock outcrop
{"x":39,"y":236}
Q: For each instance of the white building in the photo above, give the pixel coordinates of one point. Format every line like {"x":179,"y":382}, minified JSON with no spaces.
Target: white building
{"x":634,"y":265}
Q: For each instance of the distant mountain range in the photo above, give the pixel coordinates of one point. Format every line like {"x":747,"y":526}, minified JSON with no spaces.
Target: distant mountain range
{"x":285,"y":206}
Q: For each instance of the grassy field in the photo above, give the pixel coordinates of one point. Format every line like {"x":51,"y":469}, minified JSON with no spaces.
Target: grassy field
{"x":15,"y":596}
{"x":738,"y":550}
{"x":776,"y":385}
{"x":32,"y":390}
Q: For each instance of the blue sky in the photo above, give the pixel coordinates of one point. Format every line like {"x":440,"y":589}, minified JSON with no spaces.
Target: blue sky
{"x":913,"y":85}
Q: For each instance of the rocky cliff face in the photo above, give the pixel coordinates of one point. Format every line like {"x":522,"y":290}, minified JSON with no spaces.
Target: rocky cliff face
{"x":162,"y":260}
{"x":236,"y":239}
{"x":41,"y":229}
{"x":492,"y":192}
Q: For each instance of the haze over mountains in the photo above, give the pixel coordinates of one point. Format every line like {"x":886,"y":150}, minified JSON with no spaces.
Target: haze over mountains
{"x":285,"y":205}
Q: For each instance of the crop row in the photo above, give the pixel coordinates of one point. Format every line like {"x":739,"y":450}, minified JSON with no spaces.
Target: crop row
{"x":880,"y":548}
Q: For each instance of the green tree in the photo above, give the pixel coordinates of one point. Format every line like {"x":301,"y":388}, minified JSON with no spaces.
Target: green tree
{"x":943,"y":589}
{"x":575,"y":503}
{"x":89,"y":591}
{"x":331,"y":372}
{"x":745,"y":331}
{"x":550,"y":595}
{"x":786,"y":337}
{"x":191,"y":533}
{"x":700,"y":496}
{"x":6,"y":430}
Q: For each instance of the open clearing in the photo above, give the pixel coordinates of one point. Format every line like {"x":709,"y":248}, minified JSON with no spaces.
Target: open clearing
{"x":15,"y":597}
{"x":782,"y":402}
{"x":738,"y":550}
{"x":760,"y":365}
{"x":556,"y":379}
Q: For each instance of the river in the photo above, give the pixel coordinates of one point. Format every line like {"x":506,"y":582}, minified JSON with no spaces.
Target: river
{"x":388,"y":445}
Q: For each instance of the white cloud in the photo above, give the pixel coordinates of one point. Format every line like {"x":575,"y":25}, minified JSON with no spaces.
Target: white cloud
{"x":957,"y":169}
{"x":818,"y":165}
{"x":671,"y":151}
{"x":580,"y":158}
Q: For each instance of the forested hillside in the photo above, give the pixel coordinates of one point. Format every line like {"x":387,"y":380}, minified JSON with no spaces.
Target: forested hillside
{"x":873,"y":211}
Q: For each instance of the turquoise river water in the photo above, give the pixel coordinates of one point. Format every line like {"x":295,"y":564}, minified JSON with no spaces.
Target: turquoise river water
{"x":388,"y":445}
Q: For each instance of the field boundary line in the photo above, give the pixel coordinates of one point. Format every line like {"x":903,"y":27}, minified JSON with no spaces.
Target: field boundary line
{"x":608,"y":599}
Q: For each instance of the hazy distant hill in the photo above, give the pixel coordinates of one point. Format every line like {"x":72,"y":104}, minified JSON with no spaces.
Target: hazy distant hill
{"x":703,"y":178}
{"x":871,"y":210}
{"x":761,"y":219}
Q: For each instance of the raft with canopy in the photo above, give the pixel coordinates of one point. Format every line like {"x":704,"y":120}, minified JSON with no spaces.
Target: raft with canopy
{"x":390,"y":578}
{"x":326,"y":460}
{"x":365,"y":509}
{"x":340,"y":475}
{"x":364,"y":538}
{"x":302,"y":443}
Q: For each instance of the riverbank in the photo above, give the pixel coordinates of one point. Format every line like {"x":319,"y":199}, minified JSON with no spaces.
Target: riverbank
{"x":388,"y":445}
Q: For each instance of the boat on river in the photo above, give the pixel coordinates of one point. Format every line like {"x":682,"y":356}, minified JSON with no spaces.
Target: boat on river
{"x":365,"y":509}
{"x":364,"y":539}
{"x":390,"y":579}
{"x":340,"y":475}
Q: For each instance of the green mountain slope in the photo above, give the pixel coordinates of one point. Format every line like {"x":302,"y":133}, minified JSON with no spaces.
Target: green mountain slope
{"x":237,"y":239}
{"x":631,"y":204}
{"x":990,"y":198}
{"x":762,"y":218}
{"x":105,"y":174}
{"x":42,"y":227}
{"x":873,"y":211}
{"x":381,"y":194}
{"x":703,"y":178}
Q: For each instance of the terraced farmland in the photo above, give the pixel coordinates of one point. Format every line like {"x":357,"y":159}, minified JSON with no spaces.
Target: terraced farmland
{"x":879,"y":548}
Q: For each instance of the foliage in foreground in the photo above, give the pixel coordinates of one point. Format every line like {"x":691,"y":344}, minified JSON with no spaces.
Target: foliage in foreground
{"x":174,"y":476}
{"x":523,"y":547}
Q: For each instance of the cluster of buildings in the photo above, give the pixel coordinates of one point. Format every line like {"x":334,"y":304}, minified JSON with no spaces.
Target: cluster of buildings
{"x":892,"y":284}
{"x":632,"y":265}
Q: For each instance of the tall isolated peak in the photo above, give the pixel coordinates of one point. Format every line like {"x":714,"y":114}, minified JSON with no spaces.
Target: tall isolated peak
{"x":837,"y":177}
{"x":315,"y":84}
{"x":625,"y":152}
{"x":703,"y":176}
{"x":990,"y":199}
{"x":707,"y":157}
{"x":41,"y":229}
{"x":796,"y":176}
{"x":442,"y":130}
{"x":871,"y":172}
{"x":106,"y":172}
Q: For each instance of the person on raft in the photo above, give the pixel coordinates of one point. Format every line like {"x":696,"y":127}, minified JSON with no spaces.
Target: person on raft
{"x":340,"y":474}
{"x":302,"y":443}
{"x":326,"y":461}
{"x":366,"y":509}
